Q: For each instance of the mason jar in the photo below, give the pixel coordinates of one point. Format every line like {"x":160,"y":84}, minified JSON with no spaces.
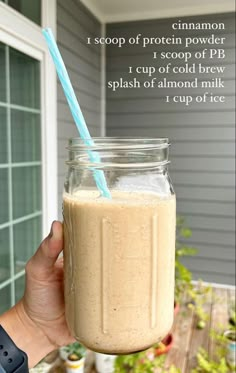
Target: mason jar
{"x":119,"y":252}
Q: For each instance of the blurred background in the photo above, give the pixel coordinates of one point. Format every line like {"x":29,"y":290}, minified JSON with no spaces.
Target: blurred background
{"x":35,"y":121}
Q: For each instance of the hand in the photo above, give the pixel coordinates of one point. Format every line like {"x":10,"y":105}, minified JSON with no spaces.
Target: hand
{"x":43,"y":300}
{"x":41,"y":311}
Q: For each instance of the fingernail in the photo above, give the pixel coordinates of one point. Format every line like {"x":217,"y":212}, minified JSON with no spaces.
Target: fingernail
{"x":57,"y":234}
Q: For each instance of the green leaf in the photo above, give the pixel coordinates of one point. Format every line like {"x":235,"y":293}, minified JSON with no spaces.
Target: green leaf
{"x":185,"y":232}
{"x":186,"y":251}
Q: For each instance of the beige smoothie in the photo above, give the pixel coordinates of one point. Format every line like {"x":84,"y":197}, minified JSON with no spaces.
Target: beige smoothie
{"x":119,"y":269}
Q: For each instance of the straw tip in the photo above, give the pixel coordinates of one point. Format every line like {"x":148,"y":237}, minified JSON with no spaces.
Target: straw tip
{"x":46,"y":30}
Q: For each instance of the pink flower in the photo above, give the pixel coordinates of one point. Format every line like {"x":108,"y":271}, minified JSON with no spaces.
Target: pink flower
{"x":150,"y":355}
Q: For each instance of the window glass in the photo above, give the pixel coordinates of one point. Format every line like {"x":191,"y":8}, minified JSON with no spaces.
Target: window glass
{"x":5,"y":296}
{"x":3,"y":135}
{"x":20,"y":168}
{"x":27,"y":237}
{"x":4,"y":255}
{"x":29,"y":8}
{"x":24,"y":80}
{"x":26,"y":186}
{"x":4,"y":188}
{"x":25,"y":135}
{"x":2,"y":73}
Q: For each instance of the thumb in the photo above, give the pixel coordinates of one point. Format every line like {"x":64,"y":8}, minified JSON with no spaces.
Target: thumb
{"x":49,"y":250}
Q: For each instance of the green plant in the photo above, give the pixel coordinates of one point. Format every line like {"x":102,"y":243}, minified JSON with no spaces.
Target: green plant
{"x":75,"y":349}
{"x":145,"y":361}
{"x":217,"y":335}
{"x":200,"y":295}
{"x":205,"y":364}
{"x":220,"y":339}
{"x":197,"y":295}
{"x":218,"y":363}
{"x":183,"y":277}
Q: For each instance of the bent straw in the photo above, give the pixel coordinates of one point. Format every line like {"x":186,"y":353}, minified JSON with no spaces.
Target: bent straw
{"x":75,"y":109}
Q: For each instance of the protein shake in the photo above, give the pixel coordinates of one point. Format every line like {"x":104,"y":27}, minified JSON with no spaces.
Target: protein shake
{"x":119,"y":268}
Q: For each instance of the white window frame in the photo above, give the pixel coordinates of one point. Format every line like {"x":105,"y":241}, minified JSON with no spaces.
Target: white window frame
{"x":24,"y":35}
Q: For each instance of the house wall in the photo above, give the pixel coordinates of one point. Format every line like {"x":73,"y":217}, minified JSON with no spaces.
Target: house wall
{"x":202,"y":137}
{"x":74,"y":24}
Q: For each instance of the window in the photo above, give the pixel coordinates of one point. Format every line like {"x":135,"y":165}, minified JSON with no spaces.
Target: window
{"x":28,"y":166}
{"x":30,"y":9}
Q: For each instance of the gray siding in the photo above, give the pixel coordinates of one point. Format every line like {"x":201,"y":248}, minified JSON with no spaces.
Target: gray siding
{"x":74,"y":24}
{"x":202,"y":138}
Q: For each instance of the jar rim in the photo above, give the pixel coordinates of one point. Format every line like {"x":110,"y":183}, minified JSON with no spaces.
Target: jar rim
{"x":117,"y":143}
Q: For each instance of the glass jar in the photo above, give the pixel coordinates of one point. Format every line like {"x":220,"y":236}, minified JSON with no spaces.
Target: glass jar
{"x":119,"y":253}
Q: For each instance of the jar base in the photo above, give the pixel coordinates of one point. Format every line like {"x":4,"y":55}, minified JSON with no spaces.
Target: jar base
{"x":120,"y":351}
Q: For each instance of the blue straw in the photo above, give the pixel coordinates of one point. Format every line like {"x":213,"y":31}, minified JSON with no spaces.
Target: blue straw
{"x":75,"y":109}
